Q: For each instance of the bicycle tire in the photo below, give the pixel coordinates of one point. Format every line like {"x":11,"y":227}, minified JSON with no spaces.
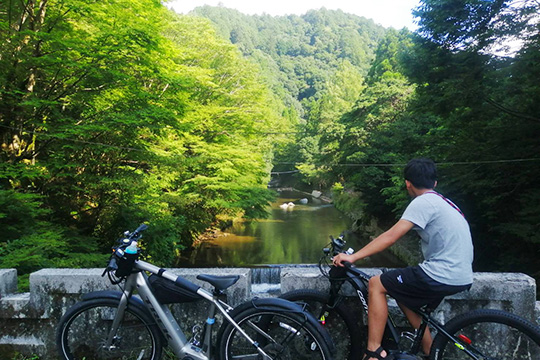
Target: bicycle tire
{"x":340,"y":322}
{"x":494,"y":333}
{"x":282,"y":334}
{"x":84,"y":328}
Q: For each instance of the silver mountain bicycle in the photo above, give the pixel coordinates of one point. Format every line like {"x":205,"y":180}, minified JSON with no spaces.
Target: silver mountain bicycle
{"x":120,"y":325}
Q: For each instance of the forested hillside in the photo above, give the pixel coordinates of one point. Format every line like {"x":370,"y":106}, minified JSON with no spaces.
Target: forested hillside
{"x":315,"y":63}
{"x":453,"y":91}
{"x":114,"y":113}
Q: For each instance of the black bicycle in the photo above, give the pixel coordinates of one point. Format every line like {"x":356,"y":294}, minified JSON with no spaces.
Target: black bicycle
{"x":120,"y":325}
{"x":482,"y":334}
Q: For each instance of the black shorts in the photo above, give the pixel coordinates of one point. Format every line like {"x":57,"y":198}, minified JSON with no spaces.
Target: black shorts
{"x":413,"y":288}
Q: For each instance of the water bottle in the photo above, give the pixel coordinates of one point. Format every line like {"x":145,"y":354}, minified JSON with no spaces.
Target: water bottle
{"x":131,"y":254}
{"x":132,"y":249}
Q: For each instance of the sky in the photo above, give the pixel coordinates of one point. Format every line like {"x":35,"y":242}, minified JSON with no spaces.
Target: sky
{"x":388,"y":13}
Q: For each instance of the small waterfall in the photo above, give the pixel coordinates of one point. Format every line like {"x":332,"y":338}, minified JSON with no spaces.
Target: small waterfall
{"x":266,"y":279}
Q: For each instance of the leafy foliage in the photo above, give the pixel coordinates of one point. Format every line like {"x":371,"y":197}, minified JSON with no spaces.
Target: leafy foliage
{"x":118,"y":112}
{"x":315,"y":65}
{"x":448,"y":93}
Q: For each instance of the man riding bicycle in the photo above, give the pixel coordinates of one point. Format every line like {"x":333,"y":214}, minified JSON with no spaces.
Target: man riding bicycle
{"x":447,"y":249}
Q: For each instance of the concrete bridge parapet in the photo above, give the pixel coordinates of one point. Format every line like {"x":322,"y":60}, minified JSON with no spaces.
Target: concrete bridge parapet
{"x":28,"y":320}
{"x":512,"y":292}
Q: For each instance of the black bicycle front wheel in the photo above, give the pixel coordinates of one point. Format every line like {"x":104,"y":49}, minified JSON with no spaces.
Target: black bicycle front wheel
{"x":338,"y":320}
{"x":83,"y":331}
{"x":282,"y":335}
{"x":488,"y":334}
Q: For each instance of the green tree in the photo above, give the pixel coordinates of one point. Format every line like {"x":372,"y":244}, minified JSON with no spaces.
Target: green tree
{"x":120,"y":112}
{"x":482,"y":101}
{"x":315,"y":64}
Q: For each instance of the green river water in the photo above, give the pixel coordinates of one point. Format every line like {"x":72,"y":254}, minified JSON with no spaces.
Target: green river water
{"x":295,"y":235}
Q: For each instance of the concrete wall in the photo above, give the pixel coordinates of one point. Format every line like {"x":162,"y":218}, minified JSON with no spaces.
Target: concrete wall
{"x":511,"y":292}
{"x":28,"y":320}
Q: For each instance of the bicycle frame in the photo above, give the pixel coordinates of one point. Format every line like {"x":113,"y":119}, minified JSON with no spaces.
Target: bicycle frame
{"x":359,"y":280}
{"x":428,"y":320}
{"x":176,"y":338}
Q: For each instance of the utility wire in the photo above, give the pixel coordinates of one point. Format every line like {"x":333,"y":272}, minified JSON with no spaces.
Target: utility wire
{"x":450,"y":163}
{"x":501,"y":161}
{"x":284,"y":172}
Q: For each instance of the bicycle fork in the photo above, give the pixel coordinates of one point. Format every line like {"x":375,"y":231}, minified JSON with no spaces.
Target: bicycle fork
{"x":112,"y":338}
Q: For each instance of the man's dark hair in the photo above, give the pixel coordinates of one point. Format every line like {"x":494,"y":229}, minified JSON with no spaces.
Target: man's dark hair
{"x":422,"y":173}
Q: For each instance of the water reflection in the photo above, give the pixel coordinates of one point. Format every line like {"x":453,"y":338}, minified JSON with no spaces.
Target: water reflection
{"x":294,"y":235}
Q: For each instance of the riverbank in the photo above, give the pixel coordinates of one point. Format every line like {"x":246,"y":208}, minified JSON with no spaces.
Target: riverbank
{"x":214,"y":246}
{"x":214,"y":233}
{"x":303,"y":228}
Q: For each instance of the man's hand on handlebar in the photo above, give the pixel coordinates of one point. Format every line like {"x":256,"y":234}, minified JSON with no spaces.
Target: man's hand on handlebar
{"x":339,"y":259}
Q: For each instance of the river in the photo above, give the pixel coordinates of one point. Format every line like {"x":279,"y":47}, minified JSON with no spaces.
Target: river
{"x":294,"y":235}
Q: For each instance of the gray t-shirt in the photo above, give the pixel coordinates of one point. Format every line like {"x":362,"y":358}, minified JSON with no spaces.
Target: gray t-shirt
{"x":446,"y":239}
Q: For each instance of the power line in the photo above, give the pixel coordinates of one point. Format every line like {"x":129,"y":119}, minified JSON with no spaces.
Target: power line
{"x":447,"y":163}
{"x":284,"y":172}
{"x":450,"y":163}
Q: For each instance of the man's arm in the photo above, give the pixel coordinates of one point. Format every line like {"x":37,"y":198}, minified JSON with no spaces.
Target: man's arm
{"x":380,"y":243}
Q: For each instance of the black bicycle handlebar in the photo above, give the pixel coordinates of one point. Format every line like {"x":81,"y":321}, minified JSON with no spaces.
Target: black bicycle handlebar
{"x":141,"y":228}
{"x":336,"y":247}
{"x":113,"y":265}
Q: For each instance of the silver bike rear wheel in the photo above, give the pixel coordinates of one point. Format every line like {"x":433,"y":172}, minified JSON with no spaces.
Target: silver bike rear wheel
{"x":281,"y":335}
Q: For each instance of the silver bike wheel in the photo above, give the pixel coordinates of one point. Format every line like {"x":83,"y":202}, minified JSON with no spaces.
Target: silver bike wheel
{"x":83,"y":332}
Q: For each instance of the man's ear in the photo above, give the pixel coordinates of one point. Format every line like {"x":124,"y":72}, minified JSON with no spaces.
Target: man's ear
{"x":408,"y":184}
{"x":435,"y":185}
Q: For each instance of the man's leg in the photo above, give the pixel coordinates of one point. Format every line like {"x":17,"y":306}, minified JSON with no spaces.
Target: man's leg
{"x":415,"y":321}
{"x":377,"y":314}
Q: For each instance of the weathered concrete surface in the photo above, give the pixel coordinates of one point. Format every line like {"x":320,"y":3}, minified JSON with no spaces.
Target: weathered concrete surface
{"x":52,"y":291}
{"x":8,"y":282}
{"x":28,"y":321}
{"x":512,"y":292}
{"x":537,"y":312}
{"x":311,"y":278}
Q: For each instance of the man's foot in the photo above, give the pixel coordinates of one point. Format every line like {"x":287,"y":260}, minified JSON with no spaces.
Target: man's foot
{"x":377,"y":354}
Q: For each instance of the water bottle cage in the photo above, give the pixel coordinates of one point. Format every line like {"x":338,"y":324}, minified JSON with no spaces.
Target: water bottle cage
{"x":125,"y":261}
{"x":122,"y":260}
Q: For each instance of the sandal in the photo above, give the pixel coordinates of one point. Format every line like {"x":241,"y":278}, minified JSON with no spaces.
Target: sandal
{"x":377,"y":354}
